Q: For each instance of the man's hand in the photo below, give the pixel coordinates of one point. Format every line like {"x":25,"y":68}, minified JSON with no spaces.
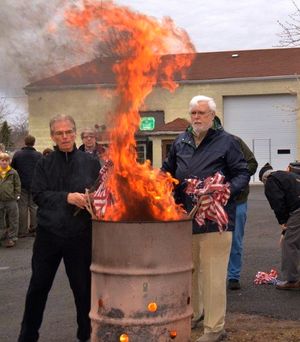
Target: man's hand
{"x":77,"y":199}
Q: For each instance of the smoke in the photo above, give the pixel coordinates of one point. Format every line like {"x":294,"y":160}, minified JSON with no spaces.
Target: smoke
{"x":35,"y":41}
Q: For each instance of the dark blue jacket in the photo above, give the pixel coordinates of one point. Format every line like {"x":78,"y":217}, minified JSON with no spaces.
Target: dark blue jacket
{"x":24,"y":162}
{"x":218,"y":151}
{"x":55,"y":176}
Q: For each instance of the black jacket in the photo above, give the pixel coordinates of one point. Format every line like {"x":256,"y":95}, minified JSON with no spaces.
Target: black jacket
{"x":55,"y":176}
{"x":252,"y":167}
{"x":24,"y":162}
{"x":98,"y":151}
{"x":282,"y":190}
{"x":218,"y":151}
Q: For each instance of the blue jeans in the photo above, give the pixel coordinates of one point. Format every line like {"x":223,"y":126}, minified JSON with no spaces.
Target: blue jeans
{"x":235,"y":259}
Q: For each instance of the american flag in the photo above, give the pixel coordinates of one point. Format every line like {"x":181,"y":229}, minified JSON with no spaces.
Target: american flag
{"x":266,"y":278}
{"x":103,"y":196}
{"x":211,"y":196}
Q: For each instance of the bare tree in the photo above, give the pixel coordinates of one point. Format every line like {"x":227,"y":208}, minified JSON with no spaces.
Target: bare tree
{"x":14,"y":121}
{"x":290,"y":35}
{"x":19,"y":126}
{"x":5,"y":109}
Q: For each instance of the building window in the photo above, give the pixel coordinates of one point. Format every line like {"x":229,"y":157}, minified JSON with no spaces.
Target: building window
{"x":165,"y":148}
{"x":141,"y":152}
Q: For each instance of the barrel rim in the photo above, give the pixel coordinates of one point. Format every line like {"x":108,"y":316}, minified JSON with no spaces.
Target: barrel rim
{"x":187,"y":219}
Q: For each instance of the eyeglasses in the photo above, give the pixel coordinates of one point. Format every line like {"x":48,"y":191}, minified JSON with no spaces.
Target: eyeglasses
{"x":88,"y":137}
{"x":62,"y":133}
{"x":199,"y":112}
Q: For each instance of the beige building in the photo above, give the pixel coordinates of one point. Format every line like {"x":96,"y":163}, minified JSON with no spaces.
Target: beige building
{"x":256,"y":92}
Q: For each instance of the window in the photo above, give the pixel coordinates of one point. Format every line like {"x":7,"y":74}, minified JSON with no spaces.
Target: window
{"x":165,"y":148}
{"x":141,"y":152}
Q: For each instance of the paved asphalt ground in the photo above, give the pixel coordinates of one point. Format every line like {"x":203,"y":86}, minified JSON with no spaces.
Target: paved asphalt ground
{"x":261,"y":253}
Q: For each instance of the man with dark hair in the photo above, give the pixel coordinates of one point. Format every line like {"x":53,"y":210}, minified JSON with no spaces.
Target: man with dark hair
{"x":63,"y":233}
{"x":24,"y":162}
{"x":282,"y":189}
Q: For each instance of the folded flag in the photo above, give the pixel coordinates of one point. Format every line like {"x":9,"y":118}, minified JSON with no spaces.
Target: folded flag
{"x":210,"y":195}
{"x":102,"y":196}
{"x":266,"y":278}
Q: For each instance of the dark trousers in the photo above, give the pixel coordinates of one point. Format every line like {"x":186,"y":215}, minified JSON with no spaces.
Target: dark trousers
{"x":290,"y":261}
{"x":27,"y":212}
{"x":48,"y":250}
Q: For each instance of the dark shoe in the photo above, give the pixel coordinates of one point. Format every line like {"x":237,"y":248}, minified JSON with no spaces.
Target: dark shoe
{"x":24,"y":235}
{"x":9,"y":243}
{"x":213,"y":336}
{"x":288,"y":285}
{"x":3,"y":237}
{"x":234,"y":284}
{"x":197,"y":323}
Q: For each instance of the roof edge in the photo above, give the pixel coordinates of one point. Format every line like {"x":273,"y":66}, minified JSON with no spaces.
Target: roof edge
{"x":113,"y":85}
{"x":74,"y":86}
{"x":240,"y":79}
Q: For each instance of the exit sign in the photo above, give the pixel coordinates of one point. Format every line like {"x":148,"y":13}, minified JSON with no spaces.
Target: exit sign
{"x":147,"y":123}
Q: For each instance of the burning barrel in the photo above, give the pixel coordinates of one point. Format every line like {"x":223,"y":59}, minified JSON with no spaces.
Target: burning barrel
{"x":141,"y":281}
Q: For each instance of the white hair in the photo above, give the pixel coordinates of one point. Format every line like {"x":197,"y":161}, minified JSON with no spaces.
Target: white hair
{"x":61,"y":117}
{"x":199,"y":98}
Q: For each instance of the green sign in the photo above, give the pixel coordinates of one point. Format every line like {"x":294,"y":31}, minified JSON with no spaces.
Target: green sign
{"x":147,"y":123}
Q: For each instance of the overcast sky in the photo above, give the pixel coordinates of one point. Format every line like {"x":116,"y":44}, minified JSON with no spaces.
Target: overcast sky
{"x":212,"y":26}
{"x":219,"y":25}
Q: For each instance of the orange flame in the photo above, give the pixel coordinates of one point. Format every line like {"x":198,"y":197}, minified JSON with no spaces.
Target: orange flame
{"x":139,"y":191}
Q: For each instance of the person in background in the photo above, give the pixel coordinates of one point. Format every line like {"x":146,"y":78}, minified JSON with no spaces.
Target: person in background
{"x":24,"y":162}
{"x":58,"y":188}
{"x":2,"y":148}
{"x":282,"y":189}
{"x":236,"y":253}
{"x":201,"y":151}
{"x":5,"y":223}
{"x":47,"y":151}
{"x":10,"y":189}
{"x":89,"y":143}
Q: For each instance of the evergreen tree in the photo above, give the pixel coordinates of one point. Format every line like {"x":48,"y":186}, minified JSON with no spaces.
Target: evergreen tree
{"x":5,"y":134}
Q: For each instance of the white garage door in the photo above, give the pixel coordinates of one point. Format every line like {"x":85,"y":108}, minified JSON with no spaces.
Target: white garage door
{"x":267,"y":124}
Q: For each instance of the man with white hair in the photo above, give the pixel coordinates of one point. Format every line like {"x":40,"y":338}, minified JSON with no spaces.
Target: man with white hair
{"x":282,"y":189}
{"x":203,"y":150}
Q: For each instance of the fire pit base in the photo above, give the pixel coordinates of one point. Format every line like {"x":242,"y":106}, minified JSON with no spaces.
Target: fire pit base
{"x":141,"y":281}
{"x":154,"y":333}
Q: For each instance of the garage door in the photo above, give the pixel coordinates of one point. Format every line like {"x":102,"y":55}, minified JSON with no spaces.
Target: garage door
{"x":267,"y":124}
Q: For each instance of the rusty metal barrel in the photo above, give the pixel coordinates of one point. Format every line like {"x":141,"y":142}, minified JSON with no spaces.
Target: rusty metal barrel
{"x":141,"y":281}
